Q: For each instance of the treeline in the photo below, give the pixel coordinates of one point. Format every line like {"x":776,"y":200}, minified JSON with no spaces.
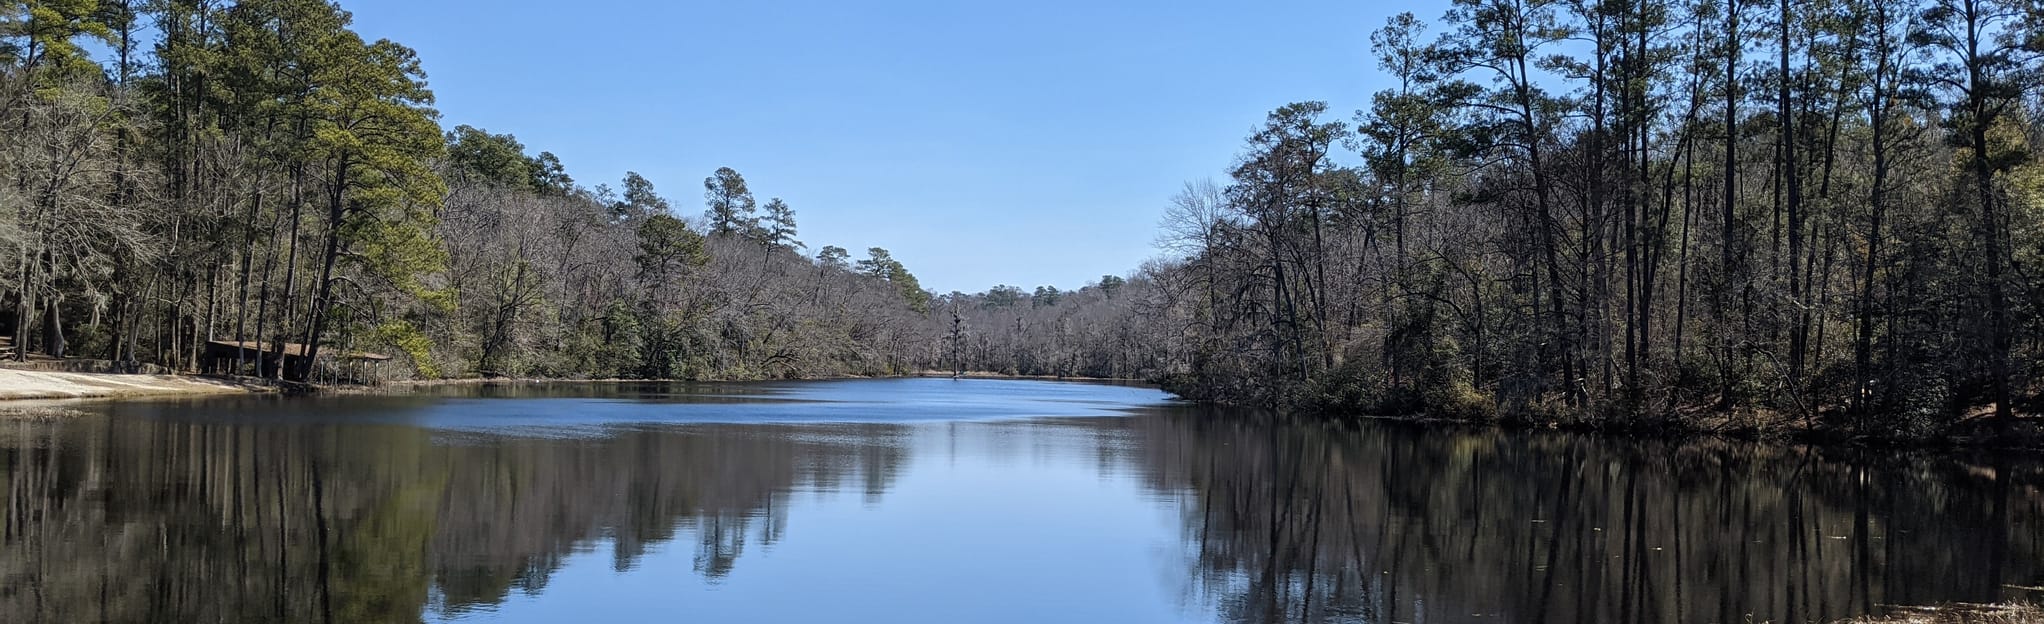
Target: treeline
{"x":1098,"y":331}
{"x":1634,"y":212}
{"x":1619,"y":212}
{"x":1627,"y":213}
{"x":256,"y":171}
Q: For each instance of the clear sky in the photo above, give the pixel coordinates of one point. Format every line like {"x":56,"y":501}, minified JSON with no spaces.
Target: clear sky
{"x":1024,"y":143}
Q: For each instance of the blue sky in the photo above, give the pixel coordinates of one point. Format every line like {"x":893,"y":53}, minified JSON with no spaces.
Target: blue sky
{"x":1024,"y":143}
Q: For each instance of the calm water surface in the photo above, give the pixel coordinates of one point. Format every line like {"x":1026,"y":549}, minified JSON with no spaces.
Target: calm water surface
{"x":932,"y":500}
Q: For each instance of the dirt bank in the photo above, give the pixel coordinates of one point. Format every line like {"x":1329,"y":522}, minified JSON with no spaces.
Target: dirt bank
{"x":21,"y":384}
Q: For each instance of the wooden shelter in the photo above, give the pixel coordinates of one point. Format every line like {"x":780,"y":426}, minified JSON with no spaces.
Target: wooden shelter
{"x":220,"y":357}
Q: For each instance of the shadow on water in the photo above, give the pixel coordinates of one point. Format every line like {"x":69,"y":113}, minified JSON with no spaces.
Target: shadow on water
{"x":364,"y":509}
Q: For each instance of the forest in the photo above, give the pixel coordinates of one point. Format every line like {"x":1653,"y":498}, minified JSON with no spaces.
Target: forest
{"x":1725,"y":214}
{"x":1628,"y":213}
{"x":256,"y":172}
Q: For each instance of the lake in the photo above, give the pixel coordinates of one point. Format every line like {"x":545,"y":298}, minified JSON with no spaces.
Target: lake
{"x":937,"y":500}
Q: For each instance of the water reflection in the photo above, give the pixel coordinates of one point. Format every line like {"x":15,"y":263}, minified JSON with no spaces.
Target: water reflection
{"x":191,"y":521}
{"x":406,"y":509}
{"x":1320,"y":523}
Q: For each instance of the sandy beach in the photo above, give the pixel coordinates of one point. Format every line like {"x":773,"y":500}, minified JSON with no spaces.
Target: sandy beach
{"x":21,"y":384}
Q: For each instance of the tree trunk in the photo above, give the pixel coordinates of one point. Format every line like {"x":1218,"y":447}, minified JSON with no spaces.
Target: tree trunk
{"x":336,"y":216}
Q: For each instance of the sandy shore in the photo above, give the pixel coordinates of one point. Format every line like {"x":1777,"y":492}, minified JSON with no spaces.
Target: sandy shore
{"x":20,"y":384}
{"x":2011,"y":613}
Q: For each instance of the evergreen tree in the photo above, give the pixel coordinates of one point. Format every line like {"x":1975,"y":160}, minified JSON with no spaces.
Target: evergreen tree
{"x":731,"y":208}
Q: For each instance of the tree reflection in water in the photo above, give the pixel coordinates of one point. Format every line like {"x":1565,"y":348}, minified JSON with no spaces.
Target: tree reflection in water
{"x":193,"y":521}
{"x":1317,"y":522}
{"x":250,"y":517}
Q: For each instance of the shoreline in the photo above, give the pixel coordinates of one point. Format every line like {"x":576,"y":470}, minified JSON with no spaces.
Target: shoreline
{"x":468,"y":381}
{"x":22,"y":387}
{"x":2017,"y":612}
{"x":1753,"y":430}
{"x":46,"y":385}
{"x":27,"y":385}
{"x":1971,"y":434}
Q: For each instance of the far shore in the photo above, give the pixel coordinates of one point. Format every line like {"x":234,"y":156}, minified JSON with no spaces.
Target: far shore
{"x":26,"y":384}
{"x":466,"y":381}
